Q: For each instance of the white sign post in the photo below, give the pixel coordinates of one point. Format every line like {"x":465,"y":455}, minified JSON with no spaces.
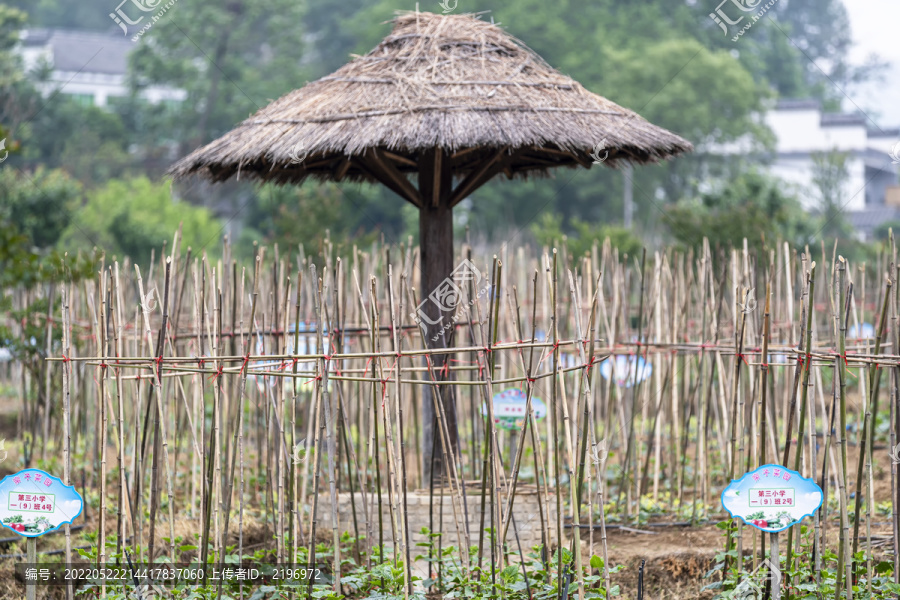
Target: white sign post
{"x":31,"y":557}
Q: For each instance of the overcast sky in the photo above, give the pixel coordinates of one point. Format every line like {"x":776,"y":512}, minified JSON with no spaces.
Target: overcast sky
{"x":874,"y":28}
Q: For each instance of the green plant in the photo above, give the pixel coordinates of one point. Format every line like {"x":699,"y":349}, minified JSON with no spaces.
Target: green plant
{"x":801,"y":578}
{"x":133,"y":217}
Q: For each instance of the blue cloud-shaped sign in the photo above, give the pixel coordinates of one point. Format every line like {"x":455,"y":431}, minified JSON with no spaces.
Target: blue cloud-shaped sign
{"x":772,"y":498}
{"x":33,"y":503}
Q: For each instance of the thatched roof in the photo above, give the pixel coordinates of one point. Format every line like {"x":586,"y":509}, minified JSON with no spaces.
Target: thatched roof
{"x":437,"y":81}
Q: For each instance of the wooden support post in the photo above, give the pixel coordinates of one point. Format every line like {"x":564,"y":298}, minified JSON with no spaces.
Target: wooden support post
{"x":437,"y":262}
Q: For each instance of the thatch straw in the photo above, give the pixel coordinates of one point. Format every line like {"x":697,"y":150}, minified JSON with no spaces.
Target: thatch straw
{"x":437,"y":81}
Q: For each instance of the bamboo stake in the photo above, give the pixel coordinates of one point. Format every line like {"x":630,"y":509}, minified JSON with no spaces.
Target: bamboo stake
{"x":735,"y":383}
{"x":808,"y":308}
{"x":396,"y":345}
{"x":67,"y":434}
{"x":230,"y":465}
{"x":844,"y":561}
{"x":123,"y":494}
{"x":554,"y":413}
{"x":763,"y":389}
{"x":529,"y":410}
{"x":330,"y":440}
{"x":895,"y":420}
{"x":160,"y":402}
{"x":454,"y":474}
{"x":102,"y":347}
{"x":874,"y":379}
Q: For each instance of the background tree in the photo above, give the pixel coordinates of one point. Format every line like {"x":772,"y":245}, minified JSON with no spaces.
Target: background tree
{"x":232,"y":58}
{"x":668,"y":61}
{"x":830,"y":174}
{"x":84,"y":14}
{"x":14,"y":90}
{"x":34,"y":211}
{"x":135,"y":216}
{"x":753,"y":206}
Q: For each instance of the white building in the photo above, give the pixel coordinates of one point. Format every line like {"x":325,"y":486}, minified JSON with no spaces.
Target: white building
{"x":90,"y":66}
{"x":871,"y":195}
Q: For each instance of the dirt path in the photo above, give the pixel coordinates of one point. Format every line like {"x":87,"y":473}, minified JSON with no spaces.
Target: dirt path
{"x":676,"y":558}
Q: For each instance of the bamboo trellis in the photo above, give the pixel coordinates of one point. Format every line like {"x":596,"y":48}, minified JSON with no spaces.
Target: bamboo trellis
{"x":316,"y":367}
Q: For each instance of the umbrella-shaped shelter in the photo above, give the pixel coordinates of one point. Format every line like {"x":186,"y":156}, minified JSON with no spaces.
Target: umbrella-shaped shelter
{"x":440,"y":107}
